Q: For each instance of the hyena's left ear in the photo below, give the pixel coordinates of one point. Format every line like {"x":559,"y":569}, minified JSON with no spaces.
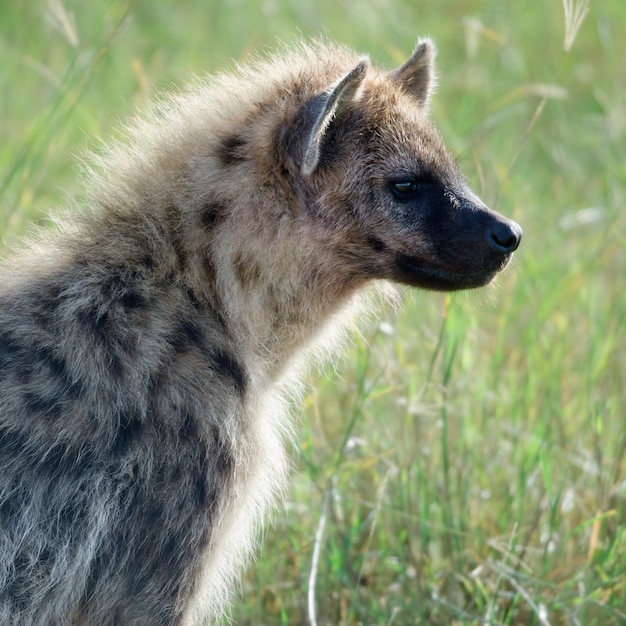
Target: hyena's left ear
{"x":417,"y":76}
{"x":334,"y":105}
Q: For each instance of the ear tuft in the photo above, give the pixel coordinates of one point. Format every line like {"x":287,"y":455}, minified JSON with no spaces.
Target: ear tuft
{"x":336,"y":102}
{"x":417,"y":76}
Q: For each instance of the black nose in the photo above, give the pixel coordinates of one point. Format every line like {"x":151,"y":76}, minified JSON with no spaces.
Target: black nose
{"x":504,"y":236}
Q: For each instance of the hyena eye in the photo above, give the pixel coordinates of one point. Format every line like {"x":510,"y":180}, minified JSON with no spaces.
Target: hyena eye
{"x":404,"y":189}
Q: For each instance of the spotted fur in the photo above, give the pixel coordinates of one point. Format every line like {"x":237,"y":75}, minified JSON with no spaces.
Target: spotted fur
{"x":147,"y":342}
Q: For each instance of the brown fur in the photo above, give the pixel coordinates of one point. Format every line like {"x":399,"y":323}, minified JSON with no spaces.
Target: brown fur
{"x":147,"y":344}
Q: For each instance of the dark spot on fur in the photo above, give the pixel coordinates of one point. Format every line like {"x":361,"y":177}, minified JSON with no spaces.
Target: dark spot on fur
{"x":189,"y":426}
{"x":201,"y":484}
{"x":157,"y":380}
{"x":40,"y":405}
{"x":213,"y":470}
{"x":71,"y":514}
{"x":133,"y":300}
{"x":208,"y":268}
{"x":175,"y":238}
{"x":9,"y":348}
{"x":108,"y":317}
{"x":187,"y":335}
{"x":13,"y":445}
{"x":226,"y":364}
{"x":147,"y":261}
{"x":231,"y":150}
{"x":193,"y":299}
{"x":376,"y":244}
{"x":100,"y":320}
{"x":115,"y":364}
{"x":223,"y":461}
{"x":212,"y":213}
{"x":45,"y":308}
{"x":111,"y":286}
{"x":58,"y":369}
{"x":129,"y":429}
{"x":63,"y":459}
{"x":10,"y":507}
{"x":105,"y":324}
{"x":94,"y":319}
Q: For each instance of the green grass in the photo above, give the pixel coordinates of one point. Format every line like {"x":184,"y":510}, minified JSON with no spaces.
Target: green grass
{"x":468,"y":460}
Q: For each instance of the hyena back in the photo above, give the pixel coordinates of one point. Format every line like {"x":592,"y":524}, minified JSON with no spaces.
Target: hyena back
{"x":145,"y":342}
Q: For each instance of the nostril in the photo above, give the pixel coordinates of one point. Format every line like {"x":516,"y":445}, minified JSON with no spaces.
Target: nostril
{"x":504,"y":237}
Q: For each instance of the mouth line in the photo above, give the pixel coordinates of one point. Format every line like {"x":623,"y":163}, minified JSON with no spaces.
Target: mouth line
{"x":416,"y":272}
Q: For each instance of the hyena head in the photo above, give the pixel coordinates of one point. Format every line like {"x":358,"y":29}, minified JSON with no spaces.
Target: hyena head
{"x":386,"y":196}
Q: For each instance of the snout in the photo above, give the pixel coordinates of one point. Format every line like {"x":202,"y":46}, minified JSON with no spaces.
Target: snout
{"x":466,"y":251}
{"x":455,"y":242}
{"x":504,"y":236}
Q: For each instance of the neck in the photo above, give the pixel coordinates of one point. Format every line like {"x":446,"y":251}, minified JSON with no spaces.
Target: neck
{"x":277,"y":289}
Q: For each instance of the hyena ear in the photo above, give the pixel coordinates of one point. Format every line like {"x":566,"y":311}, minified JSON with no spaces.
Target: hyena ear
{"x":417,"y":76}
{"x":334,"y":104}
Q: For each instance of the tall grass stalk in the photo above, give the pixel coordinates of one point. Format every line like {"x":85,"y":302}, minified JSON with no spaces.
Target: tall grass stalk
{"x":575,"y":13}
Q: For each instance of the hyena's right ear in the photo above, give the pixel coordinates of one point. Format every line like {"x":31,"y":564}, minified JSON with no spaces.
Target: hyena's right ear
{"x":335,"y":103}
{"x":417,"y":76}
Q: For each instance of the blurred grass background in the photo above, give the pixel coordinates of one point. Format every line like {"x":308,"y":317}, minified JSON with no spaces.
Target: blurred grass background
{"x":466,"y":463}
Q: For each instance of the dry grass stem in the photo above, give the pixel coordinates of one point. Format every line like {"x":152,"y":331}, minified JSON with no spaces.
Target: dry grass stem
{"x":575,"y":12}
{"x":317,"y":547}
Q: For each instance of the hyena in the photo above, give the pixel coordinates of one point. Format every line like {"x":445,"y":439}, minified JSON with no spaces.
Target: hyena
{"x":146,"y":341}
